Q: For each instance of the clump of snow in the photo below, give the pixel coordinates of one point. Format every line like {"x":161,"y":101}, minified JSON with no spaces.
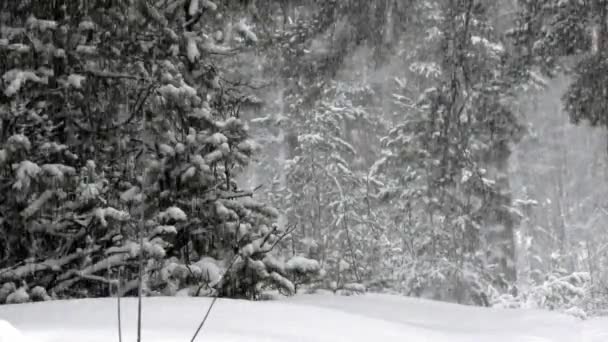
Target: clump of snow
{"x":5,"y":290}
{"x":259,"y":207}
{"x":242,"y":231}
{"x":193,"y":7}
{"x":115,"y":214}
{"x":167,"y":269}
{"x":26,"y":171}
{"x":209,"y":270}
{"x":59,"y":53}
{"x":213,"y":156}
{"x":164,"y":230}
{"x":45,"y":72}
{"x":191,"y":47}
{"x":18,"y":142}
{"x":245,"y":31}
{"x":18,"y":297}
{"x":302,"y":265}
{"x":75,"y":80}
{"x":19,"y":48}
{"x":232,"y":124}
{"x":86,"y":25}
{"x":248,"y":250}
{"x":87,"y":49}
{"x":283,"y":282}
{"x":200,"y":163}
{"x":258,"y":267}
{"x":203,"y":112}
{"x":109,"y":212}
{"x":40,"y":24}
{"x":221,"y":210}
{"x":132,"y":195}
{"x":176,"y":94}
{"x":207,"y":4}
{"x":247,"y":146}
{"x":130,"y":248}
{"x":17,"y":78}
{"x":166,"y":150}
{"x":39,"y":293}
{"x":166,"y":78}
{"x":494,"y":47}
{"x":180,"y":148}
{"x":91,"y":166}
{"x":180,"y":271}
{"x":224,"y":148}
{"x":58,"y":171}
{"x":154,"y":250}
{"x":173,"y":213}
{"x":53,"y":147}
{"x":343,"y":265}
{"x":188,"y":174}
{"x":216,"y":139}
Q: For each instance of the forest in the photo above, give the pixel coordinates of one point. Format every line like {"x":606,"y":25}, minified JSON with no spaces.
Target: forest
{"x":454,"y":150}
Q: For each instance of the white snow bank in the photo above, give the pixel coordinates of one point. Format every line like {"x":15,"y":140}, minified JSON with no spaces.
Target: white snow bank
{"x":8,"y":333}
{"x":304,"y":318}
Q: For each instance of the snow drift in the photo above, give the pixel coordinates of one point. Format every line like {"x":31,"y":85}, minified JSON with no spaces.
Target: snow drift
{"x":313,"y":318}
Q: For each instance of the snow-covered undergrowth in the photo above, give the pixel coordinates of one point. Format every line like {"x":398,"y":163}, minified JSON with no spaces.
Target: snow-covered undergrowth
{"x":320,"y":317}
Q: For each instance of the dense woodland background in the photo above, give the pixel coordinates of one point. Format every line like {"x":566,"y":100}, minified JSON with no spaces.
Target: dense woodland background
{"x":449,"y":149}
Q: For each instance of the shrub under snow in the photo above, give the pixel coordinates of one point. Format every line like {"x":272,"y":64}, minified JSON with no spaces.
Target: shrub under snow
{"x":18,"y":297}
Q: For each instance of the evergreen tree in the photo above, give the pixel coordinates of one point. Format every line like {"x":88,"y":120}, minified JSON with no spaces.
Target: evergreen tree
{"x":548,"y":32}
{"x":119,"y":127}
{"x":446,"y":160}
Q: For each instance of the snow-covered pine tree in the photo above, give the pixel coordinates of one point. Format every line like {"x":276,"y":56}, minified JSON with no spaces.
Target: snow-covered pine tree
{"x":328,"y":119}
{"x":326,"y":181}
{"x":566,"y":40}
{"x":556,"y":36}
{"x":117,"y":122}
{"x":445,"y":161}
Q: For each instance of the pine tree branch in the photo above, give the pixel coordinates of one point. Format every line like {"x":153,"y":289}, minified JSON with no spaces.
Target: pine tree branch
{"x":279,"y":239}
{"x":54,"y":265}
{"x":110,"y":74}
{"x":233,"y":195}
{"x":139,"y":105}
{"x":96,"y":278}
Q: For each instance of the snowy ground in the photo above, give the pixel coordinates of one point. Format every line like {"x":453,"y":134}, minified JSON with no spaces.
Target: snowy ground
{"x":304,"y":318}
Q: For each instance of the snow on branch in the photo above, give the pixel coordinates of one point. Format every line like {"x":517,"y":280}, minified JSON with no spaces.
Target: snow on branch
{"x":54,"y":265}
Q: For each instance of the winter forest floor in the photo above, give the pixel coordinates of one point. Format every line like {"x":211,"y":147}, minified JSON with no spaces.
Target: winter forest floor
{"x":322,"y":317}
